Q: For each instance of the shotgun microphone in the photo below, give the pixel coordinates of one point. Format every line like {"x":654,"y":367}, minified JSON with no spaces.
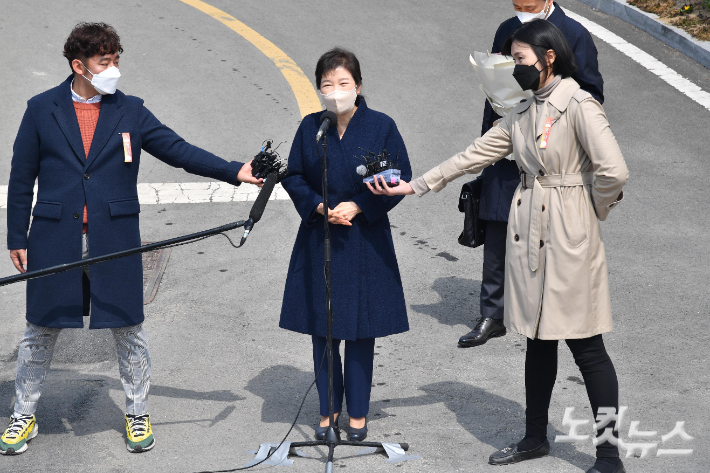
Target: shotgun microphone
{"x":259,"y":205}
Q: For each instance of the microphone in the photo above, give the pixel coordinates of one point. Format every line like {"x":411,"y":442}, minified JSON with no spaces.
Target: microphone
{"x":259,"y":205}
{"x":380,"y":165}
{"x":327,"y":120}
{"x":268,"y":161}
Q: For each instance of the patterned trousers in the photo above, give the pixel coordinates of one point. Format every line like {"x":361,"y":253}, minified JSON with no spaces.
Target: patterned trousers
{"x":37,"y":349}
{"x":35,"y":355}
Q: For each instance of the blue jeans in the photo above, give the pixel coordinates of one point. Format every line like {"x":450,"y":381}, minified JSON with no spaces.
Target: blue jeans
{"x":356,"y":384}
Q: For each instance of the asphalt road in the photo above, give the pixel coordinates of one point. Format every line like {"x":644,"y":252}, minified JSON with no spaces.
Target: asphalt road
{"x":226,"y":378}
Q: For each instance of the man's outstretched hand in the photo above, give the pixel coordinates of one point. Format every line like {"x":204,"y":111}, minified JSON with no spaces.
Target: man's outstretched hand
{"x":245,"y":175}
{"x":19,"y":259}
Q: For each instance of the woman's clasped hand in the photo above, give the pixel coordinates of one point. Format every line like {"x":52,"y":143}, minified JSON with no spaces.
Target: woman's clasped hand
{"x":342,"y":214}
{"x":380,"y":187}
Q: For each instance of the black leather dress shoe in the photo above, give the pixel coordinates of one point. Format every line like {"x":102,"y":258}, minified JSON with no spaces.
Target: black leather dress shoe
{"x":357,"y":435}
{"x":511,"y":454}
{"x":485,"y":328}
{"x":320,"y":431}
{"x":619,"y":469}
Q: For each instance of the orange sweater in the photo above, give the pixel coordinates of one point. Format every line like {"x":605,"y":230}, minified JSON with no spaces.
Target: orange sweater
{"x":88,"y":115}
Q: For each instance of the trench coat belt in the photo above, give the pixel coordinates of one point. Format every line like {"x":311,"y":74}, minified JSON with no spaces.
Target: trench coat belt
{"x":537,"y":183}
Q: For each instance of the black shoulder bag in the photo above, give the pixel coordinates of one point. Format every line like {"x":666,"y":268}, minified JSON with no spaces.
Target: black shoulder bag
{"x":474,"y":229}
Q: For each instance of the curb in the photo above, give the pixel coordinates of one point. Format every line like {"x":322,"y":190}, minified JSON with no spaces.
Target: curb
{"x":648,"y":22}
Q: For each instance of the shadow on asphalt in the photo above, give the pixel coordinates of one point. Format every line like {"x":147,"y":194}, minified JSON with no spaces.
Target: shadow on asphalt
{"x":492,"y":419}
{"x":66,"y":403}
{"x":459,"y":301}
{"x":272,"y":384}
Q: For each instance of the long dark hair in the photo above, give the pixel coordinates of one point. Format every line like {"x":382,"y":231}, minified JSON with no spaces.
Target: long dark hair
{"x":542,"y":36}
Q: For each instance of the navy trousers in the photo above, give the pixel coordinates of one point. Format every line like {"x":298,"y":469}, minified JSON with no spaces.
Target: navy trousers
{"x":493,"y":279}
{"x":356,"y":385}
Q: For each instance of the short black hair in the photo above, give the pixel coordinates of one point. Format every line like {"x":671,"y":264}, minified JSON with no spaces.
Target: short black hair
{"x":542,"y":36}
{"x":335,"y":58}
{"x":91,"y":39}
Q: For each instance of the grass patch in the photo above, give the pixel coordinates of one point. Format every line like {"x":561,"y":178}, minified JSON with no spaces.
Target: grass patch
{"x":695,"y":22}
{"x":662,"y":8}
{"x":696,"y":27}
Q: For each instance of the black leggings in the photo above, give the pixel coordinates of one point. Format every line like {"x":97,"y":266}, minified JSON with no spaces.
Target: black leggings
{"x":540,"y":373}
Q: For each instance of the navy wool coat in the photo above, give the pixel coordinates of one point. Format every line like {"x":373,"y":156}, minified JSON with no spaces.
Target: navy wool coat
{"x":501,"y":179}
{"x":368,"y":300}
{"x":49,"y":149}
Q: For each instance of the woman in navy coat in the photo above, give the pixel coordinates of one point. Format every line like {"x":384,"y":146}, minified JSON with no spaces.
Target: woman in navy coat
{"x":367,"y":295}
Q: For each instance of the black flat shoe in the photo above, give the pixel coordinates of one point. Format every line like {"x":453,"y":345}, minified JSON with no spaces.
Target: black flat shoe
{"x":619,"y":469}
{"x":357,"y":435}
{"x":510,"y":454}
{"x":485,"y":328}
{"x":320,"y":431}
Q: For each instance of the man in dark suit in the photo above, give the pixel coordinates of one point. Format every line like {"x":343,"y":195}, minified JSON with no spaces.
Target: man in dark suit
{"x":81,"y":142}
{"x":501,"y":179}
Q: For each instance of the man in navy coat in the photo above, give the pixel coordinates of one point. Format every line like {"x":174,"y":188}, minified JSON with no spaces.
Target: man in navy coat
{"x":81,"y":141}
{"x":501,"y":179}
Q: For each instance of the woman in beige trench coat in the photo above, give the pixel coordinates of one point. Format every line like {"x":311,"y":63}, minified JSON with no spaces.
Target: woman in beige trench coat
{"x":556,"y":286}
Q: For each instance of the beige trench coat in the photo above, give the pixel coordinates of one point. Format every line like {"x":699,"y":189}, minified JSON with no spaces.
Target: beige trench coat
{"x":556,"y":283}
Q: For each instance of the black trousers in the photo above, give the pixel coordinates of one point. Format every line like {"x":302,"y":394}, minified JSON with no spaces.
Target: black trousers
{"x":598,"y":374}
{"x":493,"y":279}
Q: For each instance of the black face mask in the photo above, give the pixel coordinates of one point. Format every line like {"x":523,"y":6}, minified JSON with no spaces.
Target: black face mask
{"x":528,"y":77}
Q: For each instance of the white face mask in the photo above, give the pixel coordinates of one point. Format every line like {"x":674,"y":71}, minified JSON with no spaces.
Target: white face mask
{"x":525,"y":17}
{"x":106,"y":81}
{"x":340,"y":101}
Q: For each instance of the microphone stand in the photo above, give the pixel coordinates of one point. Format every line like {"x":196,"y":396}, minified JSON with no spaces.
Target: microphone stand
{"x":60,"y":268}
{"x":332,"y":439}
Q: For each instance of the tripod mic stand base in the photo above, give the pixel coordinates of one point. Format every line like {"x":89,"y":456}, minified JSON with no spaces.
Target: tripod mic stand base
{"x":332,"y":436}
{"x":395,"y":451}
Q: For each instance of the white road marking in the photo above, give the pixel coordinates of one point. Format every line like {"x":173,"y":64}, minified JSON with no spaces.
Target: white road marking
{"x":189,"y":193}
{"x":202,"y":192}
{"x":646,"y":60}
